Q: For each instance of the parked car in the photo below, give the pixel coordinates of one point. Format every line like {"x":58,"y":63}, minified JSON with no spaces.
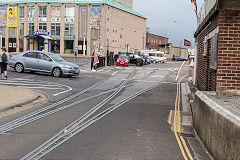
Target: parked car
{"x":154,"y":60}
{"x":139,"y":60}
{"x":39,"y":61}
{"x":180,"y":58}
{"x":145,"y":59}
{"x":134,"y":59}
{"x":123,"y":60}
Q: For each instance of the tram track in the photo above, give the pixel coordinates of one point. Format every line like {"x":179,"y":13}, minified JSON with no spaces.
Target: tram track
{"x":82,"y":122}
{"x":43,"y":112}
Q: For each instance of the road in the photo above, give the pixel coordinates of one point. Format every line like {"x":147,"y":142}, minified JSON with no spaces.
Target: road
{"x":118,"y":113}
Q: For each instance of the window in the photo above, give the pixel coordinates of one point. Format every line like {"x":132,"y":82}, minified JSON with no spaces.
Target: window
{"x":42,"y":11}
{"x":12,"y":32}
{"x":30,"y":55}
{"x":31,"y":28}
{"x":21,"y":12}
{"x":69,"y":12}
{"x":69,"y":29}
{"x":2,"y":32}
{"x":21,"y":29}
{"x":31,"y":12}
{"x":55,"y":12}
{"x":83,"y":21}
{"x":55,"y":29}
{"x":42,"y":26}
{"x":43,"y":56}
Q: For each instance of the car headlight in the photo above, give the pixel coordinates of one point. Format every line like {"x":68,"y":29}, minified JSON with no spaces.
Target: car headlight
{"x":117,"y":60}
{"x":67,"y":66}
{"x":126,"y":61}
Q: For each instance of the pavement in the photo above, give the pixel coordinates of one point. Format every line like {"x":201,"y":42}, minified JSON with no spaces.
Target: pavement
{"x":11,"y":97}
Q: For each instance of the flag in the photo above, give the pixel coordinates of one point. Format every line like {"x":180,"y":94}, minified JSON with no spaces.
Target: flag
{"x":95,"y":60}
{"x":187,"y":43}
{"x":194,"y":3}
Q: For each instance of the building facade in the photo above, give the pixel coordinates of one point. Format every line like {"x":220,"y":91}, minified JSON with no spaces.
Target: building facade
{"x":72,"y":26}
{"x":218,"y":49}
{"x":155,"y":41}
{"x":127,"y":3}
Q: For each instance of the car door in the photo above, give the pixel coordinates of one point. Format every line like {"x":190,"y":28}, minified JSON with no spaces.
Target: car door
{"x":44,"y":62}
{"x":29,"y":59}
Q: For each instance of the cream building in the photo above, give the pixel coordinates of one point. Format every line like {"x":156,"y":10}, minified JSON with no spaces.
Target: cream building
{"x":127,"y":3}
{"x":65,"y":26}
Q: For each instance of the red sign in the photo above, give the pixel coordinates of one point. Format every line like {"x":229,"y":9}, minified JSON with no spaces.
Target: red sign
{"x":95,"y":60}
{"x":187,"y":43}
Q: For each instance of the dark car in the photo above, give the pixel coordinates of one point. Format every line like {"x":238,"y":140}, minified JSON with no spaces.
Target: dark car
{"x":180,"y":58}
{"x":146,"y":60}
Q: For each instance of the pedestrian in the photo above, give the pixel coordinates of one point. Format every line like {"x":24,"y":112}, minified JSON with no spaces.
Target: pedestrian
{"x":92,"y":63}
{"x":4,"y":60}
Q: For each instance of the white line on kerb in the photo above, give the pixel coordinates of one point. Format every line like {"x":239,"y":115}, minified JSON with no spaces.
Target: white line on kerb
{"x":180,"y":70}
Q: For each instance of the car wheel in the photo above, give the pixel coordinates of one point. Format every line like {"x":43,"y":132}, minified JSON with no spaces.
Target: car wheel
{"x":19,"y":67}
{"x":154,"y":62}
{"x":57,"y":72}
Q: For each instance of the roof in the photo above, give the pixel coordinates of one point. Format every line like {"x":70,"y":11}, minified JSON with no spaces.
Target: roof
{"x":108,"y":2}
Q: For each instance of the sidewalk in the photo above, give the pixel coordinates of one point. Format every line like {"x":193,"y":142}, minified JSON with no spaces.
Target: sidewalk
{"x":11,"y":97}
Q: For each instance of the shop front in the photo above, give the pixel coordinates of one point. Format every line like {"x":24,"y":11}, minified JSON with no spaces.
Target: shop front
{"x":40,"y":41}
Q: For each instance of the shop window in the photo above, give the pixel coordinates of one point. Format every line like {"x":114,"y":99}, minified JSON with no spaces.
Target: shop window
{"x":42,"y":26}
{"x":42,"y":11}
{"x":55,"y":29}
{"x":69,"y":46}
{"x":55,"y":46}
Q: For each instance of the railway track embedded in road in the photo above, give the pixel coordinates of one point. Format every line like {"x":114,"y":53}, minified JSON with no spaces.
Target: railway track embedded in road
{"x":41,"y":113}
{"x":82,"y":122}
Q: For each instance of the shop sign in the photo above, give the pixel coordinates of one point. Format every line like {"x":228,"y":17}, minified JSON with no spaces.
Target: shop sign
{"x":41,"y":32}
{"x":55,"y":19}
{"x":12,"y":16}
{"x":95,"y":17}
{"x":42,"y":19}
{"x":3,"y":15}
{"x":69,"y":20}
{"x":30,"y":19}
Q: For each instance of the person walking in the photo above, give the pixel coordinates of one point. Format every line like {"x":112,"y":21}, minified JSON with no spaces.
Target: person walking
{"x":4,"y":60}
{"x":92,"y":63}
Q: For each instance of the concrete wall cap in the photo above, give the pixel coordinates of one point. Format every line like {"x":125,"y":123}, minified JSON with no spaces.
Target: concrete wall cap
{"x":218,"y":108}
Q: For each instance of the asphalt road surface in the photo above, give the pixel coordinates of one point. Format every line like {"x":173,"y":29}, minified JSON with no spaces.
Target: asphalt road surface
{"x":136,"y":129}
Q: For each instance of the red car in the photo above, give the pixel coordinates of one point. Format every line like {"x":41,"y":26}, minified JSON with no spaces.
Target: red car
{"x":123,"y":60}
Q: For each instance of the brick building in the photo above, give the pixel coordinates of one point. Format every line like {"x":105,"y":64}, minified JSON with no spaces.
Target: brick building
{"x":155,"y":41}
{"x":69,"y":24}
{"x":218,"y":46}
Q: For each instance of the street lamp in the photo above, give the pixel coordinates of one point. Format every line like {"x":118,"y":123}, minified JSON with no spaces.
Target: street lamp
{"x":174,"y":31}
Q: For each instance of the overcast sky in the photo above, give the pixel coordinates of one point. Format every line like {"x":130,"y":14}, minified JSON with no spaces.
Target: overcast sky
{"x":160,"y":15}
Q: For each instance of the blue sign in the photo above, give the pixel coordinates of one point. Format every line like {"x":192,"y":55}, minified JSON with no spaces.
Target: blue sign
{"x":41,"y":32}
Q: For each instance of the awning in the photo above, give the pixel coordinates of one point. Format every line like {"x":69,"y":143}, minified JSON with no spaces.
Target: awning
{"x":45,"y":36}
{"x":31,"y":36}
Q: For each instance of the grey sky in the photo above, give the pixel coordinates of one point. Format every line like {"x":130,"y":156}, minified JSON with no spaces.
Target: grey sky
{"x":162,"y":13}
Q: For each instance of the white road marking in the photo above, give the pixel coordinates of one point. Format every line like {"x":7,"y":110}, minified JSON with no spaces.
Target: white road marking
{"x":69,"y":89}
{"x":169,"y":83}
{"x":180,"y":70}
{"x":114,"y":73}
{"x":40,"y":88}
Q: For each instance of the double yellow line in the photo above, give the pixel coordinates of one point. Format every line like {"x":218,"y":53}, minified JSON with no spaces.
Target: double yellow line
{"x":177,"y":124}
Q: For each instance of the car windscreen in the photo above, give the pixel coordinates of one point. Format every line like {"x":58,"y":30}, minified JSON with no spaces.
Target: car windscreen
{"x":122,"y":57}
{"x":56,"y":57}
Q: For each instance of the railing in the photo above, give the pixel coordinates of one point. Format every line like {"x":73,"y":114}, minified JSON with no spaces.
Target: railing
{"x":205,"y":9}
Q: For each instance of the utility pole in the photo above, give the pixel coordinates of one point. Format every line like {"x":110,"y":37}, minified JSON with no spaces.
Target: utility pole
{"x":84,"y":45}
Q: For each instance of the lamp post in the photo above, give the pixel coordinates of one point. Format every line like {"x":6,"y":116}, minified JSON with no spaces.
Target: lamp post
{"x":174,"y":31}
{"x":84,"y":45}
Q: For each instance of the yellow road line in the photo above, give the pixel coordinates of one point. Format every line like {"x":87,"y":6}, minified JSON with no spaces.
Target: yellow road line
{"x":186,"y":148}
{"x":170,"y":117}
{"x":177,"y":123}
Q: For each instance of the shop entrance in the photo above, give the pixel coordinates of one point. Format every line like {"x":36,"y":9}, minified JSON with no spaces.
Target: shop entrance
{"x":69,"y":46}
{"x":55,"y":46}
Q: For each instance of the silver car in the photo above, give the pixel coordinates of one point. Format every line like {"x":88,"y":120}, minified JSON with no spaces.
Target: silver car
{"x":38,"y":61}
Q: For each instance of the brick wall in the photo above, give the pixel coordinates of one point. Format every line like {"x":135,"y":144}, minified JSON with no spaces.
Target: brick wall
{"x":154,"y":41}
{"x":228,"y":73}
{"x":206,"y":77}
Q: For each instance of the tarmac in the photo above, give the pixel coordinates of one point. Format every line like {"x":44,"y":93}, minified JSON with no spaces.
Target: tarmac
{"x":11,"y":97}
